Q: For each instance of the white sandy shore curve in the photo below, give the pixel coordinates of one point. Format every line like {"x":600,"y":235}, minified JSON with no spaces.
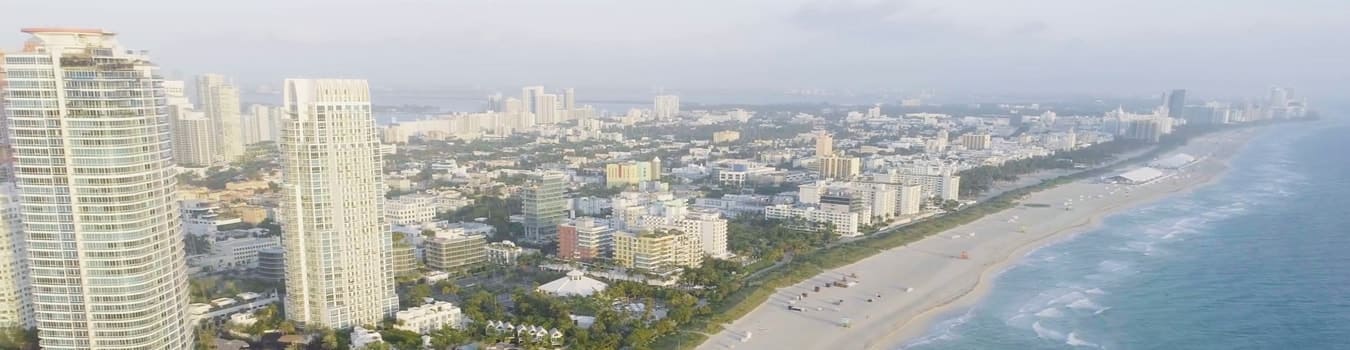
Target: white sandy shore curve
{"x":942,"y":282}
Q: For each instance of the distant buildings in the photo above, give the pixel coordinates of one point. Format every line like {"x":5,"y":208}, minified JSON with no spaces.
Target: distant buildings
{"x":977,"y":142}
{"x":824,"y":144}
{"x":333,"y":193}
{"x":192,"y":138}
{"x":545,"y":203}
{"x":666,"y":107}
{"x":838,"y":167}
{"x":632,"y":172}
{"x":219,"y":100}
{"x":726,"y":136}
{"x":1175,"y":101}
{"x":940,"y":182}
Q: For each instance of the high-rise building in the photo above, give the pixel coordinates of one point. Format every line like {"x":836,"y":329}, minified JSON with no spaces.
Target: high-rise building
{"x":569,"y":99}
{"x":546,"y":109}
{"x":260,"y":124}
{"x":494,"y":103}
{"x":977,"y":142}
{"x":1175,"y":101}
{"x":338,"y":252}
{"x":16,"y":306}
{"x":666,"y":107}
{"x":192,"y":140}
{"x":908,"y":199}
{"x":107,"y":274}
{"x":544,"y":204}
{"x":220,"y":101}
{"x":585,"y":239}
{"x":528,"y":95}
{"x":824,"y":144}
{"x":657,"y":250}
{"x":839,"y":167}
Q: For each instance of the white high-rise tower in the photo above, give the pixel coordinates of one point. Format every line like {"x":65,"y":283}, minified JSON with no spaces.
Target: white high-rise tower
{"x":220,"y":101}
{"x":338,"y":250}
{"x":96,"y":183}
{"x":666,"y":107}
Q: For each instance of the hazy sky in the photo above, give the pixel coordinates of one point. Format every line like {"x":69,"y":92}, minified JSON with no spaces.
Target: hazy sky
{"x":1213,"y":47}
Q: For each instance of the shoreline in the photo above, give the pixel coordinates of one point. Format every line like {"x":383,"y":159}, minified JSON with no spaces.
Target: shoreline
{"x":953,"y":284}
{"x":921,"y":324}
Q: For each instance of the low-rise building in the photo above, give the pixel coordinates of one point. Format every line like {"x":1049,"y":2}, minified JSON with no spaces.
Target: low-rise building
{"x":503,"y":253}
{"x":430,"y":317}
{"x":803,"y":217}
{"x":574,"y":284}
{"x":362,"y":337}
{"x":412,"y":209}
{"x":272,"y":264}
{"x":453,"y":251}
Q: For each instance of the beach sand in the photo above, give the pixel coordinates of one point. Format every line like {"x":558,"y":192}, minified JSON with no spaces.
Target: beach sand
{"x":942,"y":281}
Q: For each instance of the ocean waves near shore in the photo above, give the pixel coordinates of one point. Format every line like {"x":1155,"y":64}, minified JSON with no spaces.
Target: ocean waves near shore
{"x":1233,"y":265}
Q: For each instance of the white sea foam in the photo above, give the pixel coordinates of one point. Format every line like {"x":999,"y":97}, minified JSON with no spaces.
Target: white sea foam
{"x":1112,"y":266}
{"x":1085,"y":304}
{"x":1069,"y":298}
{"x":1050,"y":313}
{"x":1099,"y":312}
{"x":1074,"y":340}
{"x":1046,"y":333}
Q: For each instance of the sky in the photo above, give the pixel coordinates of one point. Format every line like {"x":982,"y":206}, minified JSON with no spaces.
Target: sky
{"x":1083,"y":47}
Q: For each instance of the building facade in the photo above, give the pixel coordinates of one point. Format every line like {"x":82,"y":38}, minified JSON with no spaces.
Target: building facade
{"x":430,"y":317}
{"x":809,"y":218}
{"x":192,"y":140}
{"x":16,"y":305}
{"x":455,"y":252}
{"x":585,"y":239}
{"x":544,"y":205}
{"x":338,"y":251}
{"x":219,"y":100}
{"x":657,"y":250}
{"x":91,"y":137}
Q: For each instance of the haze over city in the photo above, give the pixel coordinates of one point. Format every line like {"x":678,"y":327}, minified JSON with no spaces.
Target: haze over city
{"x":674,"y":175}
{"x":1057,"y":47}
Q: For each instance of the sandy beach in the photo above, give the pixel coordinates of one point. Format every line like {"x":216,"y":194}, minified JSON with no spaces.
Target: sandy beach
{"x":900,"y":292}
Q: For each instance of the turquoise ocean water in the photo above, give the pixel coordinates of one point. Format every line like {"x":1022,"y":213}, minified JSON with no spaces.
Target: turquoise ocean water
{"x":1258,"y":260}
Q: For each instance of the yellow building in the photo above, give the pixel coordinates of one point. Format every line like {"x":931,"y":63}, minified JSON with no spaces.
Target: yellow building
{"x":632,"y":172}
{"x":657,"y":250}
{"x":840,"y":167}
{"x":251,"y":214}
{"x":726,"y":136}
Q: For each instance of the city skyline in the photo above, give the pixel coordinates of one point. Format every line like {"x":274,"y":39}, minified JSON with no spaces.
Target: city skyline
{"x":962,"y":47}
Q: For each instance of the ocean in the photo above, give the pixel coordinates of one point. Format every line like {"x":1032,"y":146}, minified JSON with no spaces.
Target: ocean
{"x":1259,"y":259}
